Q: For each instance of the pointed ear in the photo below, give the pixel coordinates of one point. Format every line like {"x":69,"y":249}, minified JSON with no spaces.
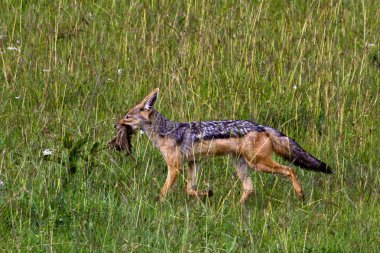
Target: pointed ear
{"x":150,"y":100}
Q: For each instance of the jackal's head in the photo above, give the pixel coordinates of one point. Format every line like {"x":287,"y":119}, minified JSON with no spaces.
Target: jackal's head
{"x":140,"y":113}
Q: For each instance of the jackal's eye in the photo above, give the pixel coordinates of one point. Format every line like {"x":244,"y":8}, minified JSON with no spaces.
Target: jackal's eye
{"x":127,"y":117}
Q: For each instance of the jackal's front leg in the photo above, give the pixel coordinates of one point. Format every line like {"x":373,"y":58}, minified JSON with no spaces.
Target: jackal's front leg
{"x":192,"y":171}
{"x":174,"y":165}
{"x":192,"y":181}
{"x":245,"y":178}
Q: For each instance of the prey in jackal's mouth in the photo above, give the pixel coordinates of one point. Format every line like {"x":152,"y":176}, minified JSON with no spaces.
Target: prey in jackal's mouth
{"x":122,"y":141}
{"x":250,"y":143}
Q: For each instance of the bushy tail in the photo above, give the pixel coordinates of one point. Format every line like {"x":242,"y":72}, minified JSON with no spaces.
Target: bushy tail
{"x":291,"y":151}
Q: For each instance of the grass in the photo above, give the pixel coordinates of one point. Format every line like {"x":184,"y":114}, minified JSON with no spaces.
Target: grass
{"x":309,"y":69}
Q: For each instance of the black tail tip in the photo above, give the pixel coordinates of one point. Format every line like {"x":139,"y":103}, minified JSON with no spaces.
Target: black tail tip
{"x":326,"y":169}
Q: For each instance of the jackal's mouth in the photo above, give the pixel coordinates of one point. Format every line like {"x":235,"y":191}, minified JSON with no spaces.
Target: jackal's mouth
{"x":122,"y":141}
{"x":132,"y":127}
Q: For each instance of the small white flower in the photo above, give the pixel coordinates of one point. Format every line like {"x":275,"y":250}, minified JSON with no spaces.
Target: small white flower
{"x":47,"y":152}
{"x":371,"y":45}
{"x":1,"y":183}
{"x":46,"y":70}
{"x":17,"y":97}
{"x":141,"y":132}
{"x":17,"y":42}
{"x":14,"y":49}
{"x":295,"y":87}
{"x":120,"y":71}
{"x":109,"y":80}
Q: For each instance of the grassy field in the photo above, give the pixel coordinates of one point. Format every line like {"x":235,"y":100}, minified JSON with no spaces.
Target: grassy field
{"x":69,"y":70}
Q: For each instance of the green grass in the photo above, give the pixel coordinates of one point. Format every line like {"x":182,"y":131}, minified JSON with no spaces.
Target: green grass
{"x":308,"y":68}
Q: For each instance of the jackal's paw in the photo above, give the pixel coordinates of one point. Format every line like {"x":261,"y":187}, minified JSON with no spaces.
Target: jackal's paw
{"x":301,"y":197}
{"x":208,"y":193}
{"x":161,"y":199}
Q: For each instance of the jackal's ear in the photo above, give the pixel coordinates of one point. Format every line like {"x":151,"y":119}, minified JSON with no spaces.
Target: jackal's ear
{"x":151,"y":99}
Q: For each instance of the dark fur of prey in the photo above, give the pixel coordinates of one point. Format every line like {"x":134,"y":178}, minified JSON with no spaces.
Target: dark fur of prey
{"x":122,"y":141}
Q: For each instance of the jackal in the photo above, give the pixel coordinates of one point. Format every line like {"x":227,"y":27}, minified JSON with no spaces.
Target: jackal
{"x":249,"y":143}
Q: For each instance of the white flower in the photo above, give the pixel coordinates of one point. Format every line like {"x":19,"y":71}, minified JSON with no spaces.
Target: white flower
{"x":17,"y":97}
{"x":371,"y":45}
{"x":1,"y":183}
{"x":120,"y":71}
{"x":295,"y":87}
{"x":14,"y":49}
{"x":109,"y":80}
{"x":141,"y":132}
{"x":47,"y":152}
{"x":46,"y":70}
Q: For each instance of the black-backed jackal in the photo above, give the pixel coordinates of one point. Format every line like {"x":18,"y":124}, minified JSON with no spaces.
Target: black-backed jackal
{"x":250,"y":143}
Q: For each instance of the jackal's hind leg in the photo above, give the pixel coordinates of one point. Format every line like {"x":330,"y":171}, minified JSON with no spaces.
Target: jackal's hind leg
{"x":245,"y":178}
{"x":269,"y":166}
{"x":191,"y":188}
